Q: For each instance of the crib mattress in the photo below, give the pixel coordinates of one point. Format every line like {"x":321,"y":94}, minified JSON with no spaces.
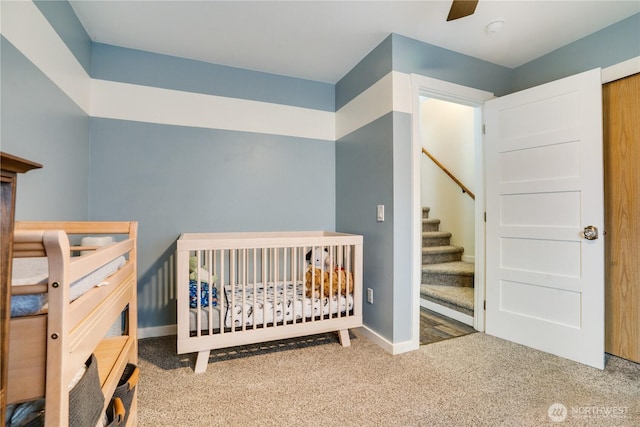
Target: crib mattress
{"x":35,"y":271}
{"x":282,"y":303}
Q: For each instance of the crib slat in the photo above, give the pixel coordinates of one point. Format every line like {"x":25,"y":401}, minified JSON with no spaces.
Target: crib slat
{"x":254,"y":286}
{"x":233,"y":281}
{"x":223,"y":296}
{"x":242,"y":284}
{"x":295,"y":281}
{"x":210,"y":269}
{"x":274,"y":281}
{"x":284,"y":286}
{"x":313,"y":281}
{"x":198,"y":314}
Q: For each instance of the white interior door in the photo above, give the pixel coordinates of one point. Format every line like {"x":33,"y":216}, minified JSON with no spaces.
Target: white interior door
{"x":544,"y":278}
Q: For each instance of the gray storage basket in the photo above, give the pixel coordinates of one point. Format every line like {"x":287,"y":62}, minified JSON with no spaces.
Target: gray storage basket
{"x":86,"y":400}
{"x":123,"y":396}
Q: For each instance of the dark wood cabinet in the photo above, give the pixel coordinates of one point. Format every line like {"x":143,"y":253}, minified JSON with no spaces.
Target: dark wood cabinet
{"x":11,"y":166}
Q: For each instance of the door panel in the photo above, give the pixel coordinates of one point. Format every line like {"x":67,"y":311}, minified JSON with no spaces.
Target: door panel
{"x":545,"y":281}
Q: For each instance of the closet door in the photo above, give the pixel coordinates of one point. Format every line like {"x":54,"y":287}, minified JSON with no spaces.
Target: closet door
{"x":621,"y":109}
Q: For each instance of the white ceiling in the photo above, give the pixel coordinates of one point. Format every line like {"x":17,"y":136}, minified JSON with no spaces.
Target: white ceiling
{"x":323,"y":40}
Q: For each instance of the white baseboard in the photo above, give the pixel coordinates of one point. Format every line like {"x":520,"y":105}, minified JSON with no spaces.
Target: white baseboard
{"x":469,"y":258}
{"x":446,"y":311}
{"x":403,"y":347}
{"x":157,"y":331}
{"x":387,"y":346}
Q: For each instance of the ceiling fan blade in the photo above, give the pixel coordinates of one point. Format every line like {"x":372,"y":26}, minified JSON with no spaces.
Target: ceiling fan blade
{"x":461,"y":8}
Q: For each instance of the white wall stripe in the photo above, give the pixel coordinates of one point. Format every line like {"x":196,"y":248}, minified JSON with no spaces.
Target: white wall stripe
{"x":29,"y":31}
{"x":391,"y":93}
{"x":370,"y":105}
{"x":402,"y":92}
{"x":125,"y":101}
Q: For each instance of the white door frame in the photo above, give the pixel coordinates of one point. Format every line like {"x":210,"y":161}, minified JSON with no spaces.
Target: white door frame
{"x":451,"y":92}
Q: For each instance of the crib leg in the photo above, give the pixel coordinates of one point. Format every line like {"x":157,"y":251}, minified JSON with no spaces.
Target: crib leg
{"x":343,"y":336}
{"x":202,"y":361}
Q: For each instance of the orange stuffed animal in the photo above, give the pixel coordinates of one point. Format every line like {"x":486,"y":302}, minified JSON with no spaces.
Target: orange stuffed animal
{"x":321,"y":279}
{"x":327,"y":283}
{"x":343,"y":281}
{"x":316,"y":281}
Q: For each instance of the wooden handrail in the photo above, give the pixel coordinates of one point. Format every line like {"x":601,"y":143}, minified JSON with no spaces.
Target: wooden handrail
{"x":445,"y":170}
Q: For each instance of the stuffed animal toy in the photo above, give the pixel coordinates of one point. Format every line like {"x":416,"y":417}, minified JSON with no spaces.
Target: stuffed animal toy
{"x":343,"y":281}
{"x":193,"y":271}
{"x":316,"y":281}
{"x":321,"y":278}
{"x":320,"y":258}
{"x":204,"y":286}
{"x":327,"y":283}
{"x":317,"y":274}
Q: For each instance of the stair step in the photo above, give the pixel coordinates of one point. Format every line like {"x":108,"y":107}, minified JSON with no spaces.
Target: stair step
{"x":458,"y":273}
{"x":429,"y":224}
{"x":436,"y":238}
{"x":440,"y":254}
{"x":425,"y":212}
{"x":453,"y":297}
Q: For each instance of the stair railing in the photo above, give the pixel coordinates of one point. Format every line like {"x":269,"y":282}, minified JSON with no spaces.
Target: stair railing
{"x":464,"y":188}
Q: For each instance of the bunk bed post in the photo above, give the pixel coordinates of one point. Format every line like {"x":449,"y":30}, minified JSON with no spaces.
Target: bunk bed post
{"x":132,"y":318}
{"x":57,"y":247}
{"x":132,"y":314}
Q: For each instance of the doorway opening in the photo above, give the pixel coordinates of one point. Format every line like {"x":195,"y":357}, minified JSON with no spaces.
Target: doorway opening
{"x":447,"y":178}
{"x":447,"y":119}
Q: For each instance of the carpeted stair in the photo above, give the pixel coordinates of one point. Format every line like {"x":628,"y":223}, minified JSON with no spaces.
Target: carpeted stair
{"x":446,"y":279}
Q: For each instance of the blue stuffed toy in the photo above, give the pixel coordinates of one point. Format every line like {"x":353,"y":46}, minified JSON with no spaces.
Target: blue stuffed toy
{"x":204,"y":294}
{"x":204,"y":285}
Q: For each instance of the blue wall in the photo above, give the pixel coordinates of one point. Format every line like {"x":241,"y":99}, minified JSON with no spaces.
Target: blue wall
{"x":609,"y":46}
{"x":150,"y":69}
{"x":364,"y":176}
{"x":412,"y":56}
{"x":175,"y":179}
{"x":375,"y":65}
{"x":40,"y":123}
{"x":68,"y":27}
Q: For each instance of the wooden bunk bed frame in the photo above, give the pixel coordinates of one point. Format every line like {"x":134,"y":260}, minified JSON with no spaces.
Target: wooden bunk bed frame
{"x":47,"y":350}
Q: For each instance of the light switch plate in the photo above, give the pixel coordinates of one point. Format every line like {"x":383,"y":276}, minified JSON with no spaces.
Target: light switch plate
{"x":380,"y":216}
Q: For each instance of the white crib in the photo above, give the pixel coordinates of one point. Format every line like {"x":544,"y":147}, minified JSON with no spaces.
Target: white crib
{"x":244,"y":288}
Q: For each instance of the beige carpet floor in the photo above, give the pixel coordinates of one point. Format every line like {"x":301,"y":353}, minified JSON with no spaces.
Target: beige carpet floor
{"x":475,"y":380}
